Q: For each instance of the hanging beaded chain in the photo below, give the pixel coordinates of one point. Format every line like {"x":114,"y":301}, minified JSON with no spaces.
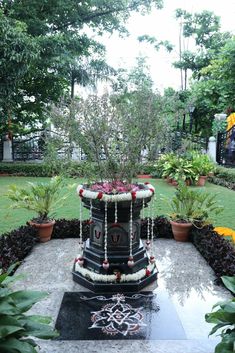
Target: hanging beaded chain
{"x":152,"y":258}
{"x":143,"y":205}
{"x":105,"y":262}
{"x":115,"y":214}
{"x":152,"y":219}
{"x":80,"y":230}
{"x":130,"y":262}
{"x":91,"y":207}
{"x":148,"y":230}
{"x":80,"y":259}
{"x":131,"y":229}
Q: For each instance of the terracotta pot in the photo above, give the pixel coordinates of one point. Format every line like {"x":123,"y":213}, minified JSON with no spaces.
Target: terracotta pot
{"x":188,"y":182}
{"x":202,"y":180}
{"x":174,"y":183}
{"x":144,"y":176}
{"x":181,"y":230}
{"x":44,"y":230}
{"x":168,"y":180}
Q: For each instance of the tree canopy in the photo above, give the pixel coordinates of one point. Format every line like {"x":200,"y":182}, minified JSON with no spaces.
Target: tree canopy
{"x":46,"y":47}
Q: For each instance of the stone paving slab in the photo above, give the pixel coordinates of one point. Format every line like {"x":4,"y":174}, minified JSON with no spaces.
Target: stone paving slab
{"x":184,"y":277}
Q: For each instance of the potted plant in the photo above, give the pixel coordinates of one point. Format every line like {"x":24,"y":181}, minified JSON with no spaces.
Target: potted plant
{"x":177,"y":168}
{"x":43,"y":198}
{"x":190,"y":207}
{"x":169,"y":164}
{"x":114,"y":258}
{"x":203,"y":166}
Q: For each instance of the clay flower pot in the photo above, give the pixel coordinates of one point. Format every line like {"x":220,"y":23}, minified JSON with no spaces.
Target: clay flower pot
{"x":174,"y":182}
{"x":143,"y":176}
{"x":202,"y":180}
{"x":181,"y":230}
{"x":188,"y":182}
{"x":44,"y":230}
{"x":168,"y":180}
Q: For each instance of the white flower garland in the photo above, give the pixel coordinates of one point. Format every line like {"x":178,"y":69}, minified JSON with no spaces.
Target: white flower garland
{"x":97,"y":277}
{"x":125,"y":196}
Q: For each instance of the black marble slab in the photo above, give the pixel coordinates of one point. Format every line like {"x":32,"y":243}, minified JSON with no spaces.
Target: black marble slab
{"x":144,"y":315}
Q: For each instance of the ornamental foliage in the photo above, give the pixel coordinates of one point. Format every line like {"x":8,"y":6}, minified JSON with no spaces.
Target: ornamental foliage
{"x":17,"y":329}
{"x":224,"y":318}
{"x":43,"y":198}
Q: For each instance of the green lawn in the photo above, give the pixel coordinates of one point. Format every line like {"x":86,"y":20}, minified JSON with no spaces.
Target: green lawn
{"x":11,"y":219}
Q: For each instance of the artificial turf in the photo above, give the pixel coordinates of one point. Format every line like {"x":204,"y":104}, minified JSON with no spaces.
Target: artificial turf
{"x":12,"y":219}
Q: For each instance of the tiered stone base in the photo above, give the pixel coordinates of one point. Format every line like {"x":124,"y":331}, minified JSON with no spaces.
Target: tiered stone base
{"x":114,"y":287}
{"x":119,"y":275}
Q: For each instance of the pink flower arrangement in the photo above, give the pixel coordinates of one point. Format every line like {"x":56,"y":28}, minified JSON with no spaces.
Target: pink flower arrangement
{"x":114,"y":187}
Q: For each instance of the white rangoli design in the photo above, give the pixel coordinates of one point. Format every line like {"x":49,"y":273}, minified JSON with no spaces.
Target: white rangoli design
{"x":118,"y":317}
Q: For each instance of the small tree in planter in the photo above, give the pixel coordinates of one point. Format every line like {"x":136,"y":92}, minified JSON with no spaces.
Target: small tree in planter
{"x":114,"y":258}
{"x":43,"y":198}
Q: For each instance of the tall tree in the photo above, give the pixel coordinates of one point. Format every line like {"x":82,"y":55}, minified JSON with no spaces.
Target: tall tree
{"x":204,"y":29}
{"x":214,"y":92}
{"x":58,"y":31}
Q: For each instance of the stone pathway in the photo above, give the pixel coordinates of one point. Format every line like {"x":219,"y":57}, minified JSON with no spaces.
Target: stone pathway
{"x":184,"y":277}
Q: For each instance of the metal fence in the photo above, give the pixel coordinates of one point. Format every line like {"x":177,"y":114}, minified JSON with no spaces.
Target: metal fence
{"x":225,"y":150}
{"x":31,"y":147}
{"x":27,"y":149}
{"x":184,"y":140}
{"x":1,"y":149}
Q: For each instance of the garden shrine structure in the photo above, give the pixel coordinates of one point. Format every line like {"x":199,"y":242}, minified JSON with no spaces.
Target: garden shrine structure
{"x":114,"y":257}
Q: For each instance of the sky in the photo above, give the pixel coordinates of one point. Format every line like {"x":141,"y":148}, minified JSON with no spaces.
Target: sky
{"x":121,"y":52}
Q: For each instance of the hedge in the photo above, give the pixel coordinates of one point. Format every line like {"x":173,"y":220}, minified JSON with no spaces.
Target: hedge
{"x":224,"y":177}
{"x":41,"y":169}
{"x":73,"y":169}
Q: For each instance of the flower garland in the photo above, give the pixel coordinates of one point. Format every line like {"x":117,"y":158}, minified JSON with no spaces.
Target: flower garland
{"x":125,"y":196}
{"x":97,"y":277}
{"x":225,"y":232}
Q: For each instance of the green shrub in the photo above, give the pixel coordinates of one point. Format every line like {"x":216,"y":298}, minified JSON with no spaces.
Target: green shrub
{"x":72,"y":169}
{"x":224,"y":177}
{"x":227,"y":174}
{"x":17,"y":329}
{"x":187,"y":166}
{"x":146,"y":169}
{"x":202,"y":164}
{"x":24,"y":169}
